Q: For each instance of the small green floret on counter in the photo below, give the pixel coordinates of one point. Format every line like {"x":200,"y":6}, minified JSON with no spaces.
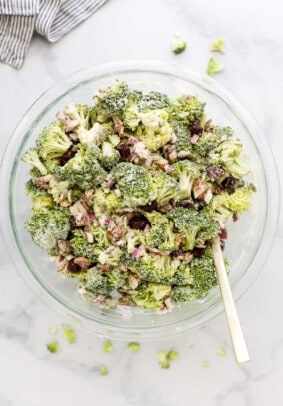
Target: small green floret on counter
{"x":69,"y":334}
{"x":222,"y":352}
{"x":133,"y":346}
{"x":214,"y":66}
{"x":218,"y":45}
{"x":178,"y":44}
{"x":166,"y":357}
{"x":53,"y":346}
{"x":103,"y":370}
{"x":107,"y":347}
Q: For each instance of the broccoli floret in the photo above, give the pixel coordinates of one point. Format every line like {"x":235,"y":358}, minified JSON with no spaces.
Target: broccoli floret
{"x":111,"y":101}
{"x":135,"y":184}
{"x":31,"y":189}
{"x":166,"y":188}
{"x":47,"y":226}
{"x":52,"y":143}
{"x":178,"y":44}
{"x":183,"y":136}
{"x":117,"y":278}
{"x":109,"y":157}
{"x":161,"y":234}
{"x":153,"y":101}
{"x":208,"y":142}
{"x":131,"y":117}
{"x":186,"y":109}
{"x":100,"y":237}
{"x":83,"y":169}
{"x":218,"y":45}
{"x":111,"y":256}
{"x":186,"y":172}
{"x":227,"y":155}
{"x":155,"y":131}
{"x":151,"y":296}
{"x":223,"y":206}
{"x":192,"y":222}
{"x":81,"y":114}
{"x":81,"y":247}
{"x":97,"y":282}
{"x":157,"y":268}
{"x":42,"y":201}
{"x":134,"y":238}
{"x":203,"y":279}
{"x":59,"y":190}
{"x":214,"y":67}
{"x":31,"y":157}
{"x":109,"y":200}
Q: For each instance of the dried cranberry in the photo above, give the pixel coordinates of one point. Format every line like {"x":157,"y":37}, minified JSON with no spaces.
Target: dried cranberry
{"x":223,"y":234}
{"x":138,"y":222}
{"x":188,"y":204}
{"x":150,"y":207}
{"x":196,"y":129}
{"x":67,"y":156}
{"x":124,"y":150}
{"x":176,"y":253}
{"x":235,"y":217}
{"x":72,"y":266}
{"x":231,"y":184}
{"x":198,"y":252}
{"x":215,"y":171}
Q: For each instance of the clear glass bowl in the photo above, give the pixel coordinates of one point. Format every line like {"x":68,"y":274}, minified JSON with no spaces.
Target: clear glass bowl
{"x":250,"y":238}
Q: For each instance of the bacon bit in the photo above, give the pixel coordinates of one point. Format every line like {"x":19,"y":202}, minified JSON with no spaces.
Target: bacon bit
{"x":168,"y":169}
{"x":173,"y":139}
{"x":115,"y":232}
{"x":180,"y":238}
{"x":77,"y":209}
{"x":138,"y":252}
{"x":122,"y":267}
{"x":118,"y":126}
{"x":82,"y":262}
{"x":100,"y":299}
{"x":215,"y":172}
{"x":156,"y":251}
{"x":133,"y":281}
{"x":104,"y":267}
{"x":199,"y":189}
{"x":68,"y":124}
{"x":194,"y":139}
{"x":148,"y":161}
{"x":173,"y":155}
{"x":223,"y":235}
{"x":43,"y":181}
{"x":64,"y":247}
{"x":88,"y":195}
{"x":183,"y":154}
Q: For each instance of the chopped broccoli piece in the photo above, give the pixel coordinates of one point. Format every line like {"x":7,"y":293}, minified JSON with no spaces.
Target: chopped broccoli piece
{"x":222,"y":352}
{"x":83,"y":169}
{"x":160,"y":235}
{"x":109,"y":200}
{"x":81,"y":114}
{"x":157,"y":268}
{"x":178,"y":44}
{"x":69,"y":334}
{"x":53,"y":330}
{"x":107,"y":347}
{"x":153,"y":101}
{"x":135,"y":184}
{"x":151,"y":296}
{"x":165,"y":358}
{"x":31,"y":157}
{"x":46,"y":226}
{"x":214,"y":67}
{"x":111,"y":101}
{"x":81,"y":247}
{"x":166,"y":188}
{"x":133,"y":346}
{"x":103,"y":370}
{"x":53,"y":346}
{"x":218,"y":45}
{"x":53,"y":142}
{"x":110,"y":156}
{"x":131,"y":117}
{"x":186,"y":109}
{"x":186,"y":172}
{"x":192,"y":223}
{"x":97,"y":282}
{"x":155,"y":131}
{"x":42,"y":201}
{"x":183,"y":136}
{"x":117,"y":278}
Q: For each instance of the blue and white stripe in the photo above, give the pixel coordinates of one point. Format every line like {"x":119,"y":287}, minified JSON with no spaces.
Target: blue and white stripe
{"x":50,"y":18}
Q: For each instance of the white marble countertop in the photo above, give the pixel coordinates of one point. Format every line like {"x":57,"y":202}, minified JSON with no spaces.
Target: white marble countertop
{"x":132,"y":29}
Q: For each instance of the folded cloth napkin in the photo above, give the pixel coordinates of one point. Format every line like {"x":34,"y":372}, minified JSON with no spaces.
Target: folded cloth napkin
{"x":50,"y":18}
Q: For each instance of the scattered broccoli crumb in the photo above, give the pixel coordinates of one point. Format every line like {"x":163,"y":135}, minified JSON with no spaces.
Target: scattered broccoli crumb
{"x":205,"y":364}
{"x":165,"y":358}
{"x":133,"y":346}
{"x":107,"y":347}
{"x":103,"y":370}
{"x":218,"y":45}
{"x":53,"y":330}
{"x":178,"y":44}
{"x":222,"y":352}
{"x":69,"y":334}
{"x":214,"y":67}
{"x":53,"y":346}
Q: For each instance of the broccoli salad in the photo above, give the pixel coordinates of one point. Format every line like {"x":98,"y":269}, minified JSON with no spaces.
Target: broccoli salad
{"x":128,"y":193}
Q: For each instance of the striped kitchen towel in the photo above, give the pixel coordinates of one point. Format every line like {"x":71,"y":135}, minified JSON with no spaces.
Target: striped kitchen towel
{"x":50,"y":18}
